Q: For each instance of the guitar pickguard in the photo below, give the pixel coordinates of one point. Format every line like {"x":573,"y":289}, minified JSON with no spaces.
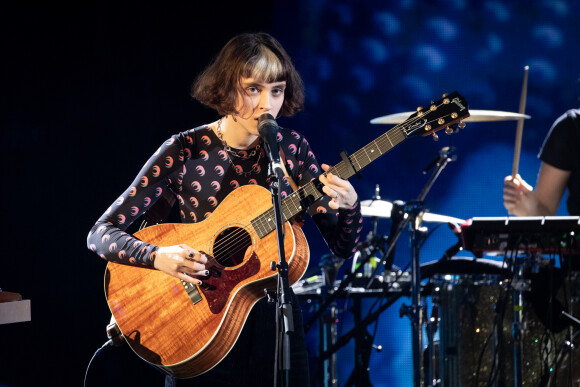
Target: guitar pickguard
{"x":218,"y":286}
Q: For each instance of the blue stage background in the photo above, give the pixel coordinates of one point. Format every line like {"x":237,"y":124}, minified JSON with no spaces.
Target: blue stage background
{"x":362,"y":60}
{"x":84,"y":80}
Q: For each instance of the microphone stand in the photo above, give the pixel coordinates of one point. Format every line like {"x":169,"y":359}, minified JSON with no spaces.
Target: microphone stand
{"x":414,"y":210}
{"x":284,"y":299}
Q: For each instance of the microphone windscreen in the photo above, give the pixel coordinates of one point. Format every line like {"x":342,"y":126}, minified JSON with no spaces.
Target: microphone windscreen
{"x":267,"y":125}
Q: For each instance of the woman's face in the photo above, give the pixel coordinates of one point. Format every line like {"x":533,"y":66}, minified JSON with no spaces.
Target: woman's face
{"x":256,"y":99}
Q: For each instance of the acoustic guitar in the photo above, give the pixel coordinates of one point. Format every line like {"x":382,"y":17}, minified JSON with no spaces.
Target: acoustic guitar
{"x":185,"y":329}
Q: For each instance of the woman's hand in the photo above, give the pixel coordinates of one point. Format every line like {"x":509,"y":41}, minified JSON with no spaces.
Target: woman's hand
{"x":182,"y":262}
{"x":518,"y":197}
{"x":341,"y":191}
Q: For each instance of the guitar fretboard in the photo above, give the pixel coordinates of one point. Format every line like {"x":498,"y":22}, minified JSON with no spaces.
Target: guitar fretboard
{"x":305,"y":196}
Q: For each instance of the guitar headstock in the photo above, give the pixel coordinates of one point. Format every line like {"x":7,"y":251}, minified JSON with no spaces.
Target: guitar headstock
{"x":445,"y":113}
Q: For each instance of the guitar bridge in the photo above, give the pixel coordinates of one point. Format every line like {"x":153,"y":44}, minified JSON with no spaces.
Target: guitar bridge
{"x":192,"y":292}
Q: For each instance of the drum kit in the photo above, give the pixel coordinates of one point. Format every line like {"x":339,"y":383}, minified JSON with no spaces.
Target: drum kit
{"x":504,"y":320}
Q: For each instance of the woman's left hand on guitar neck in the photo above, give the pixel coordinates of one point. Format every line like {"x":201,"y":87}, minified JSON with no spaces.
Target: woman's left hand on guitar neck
{"x":341,"y":191}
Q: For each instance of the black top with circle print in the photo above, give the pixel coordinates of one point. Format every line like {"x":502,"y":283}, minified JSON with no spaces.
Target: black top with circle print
{"x":195,"y":165}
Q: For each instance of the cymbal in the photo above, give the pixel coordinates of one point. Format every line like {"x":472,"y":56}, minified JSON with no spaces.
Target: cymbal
{"x":475,"y":116}
{"x":377,"y":208}
{"x":382,"y":209}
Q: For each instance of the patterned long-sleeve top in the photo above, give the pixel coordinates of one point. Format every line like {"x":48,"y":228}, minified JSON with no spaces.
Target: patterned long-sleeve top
{"x":195,"y":166}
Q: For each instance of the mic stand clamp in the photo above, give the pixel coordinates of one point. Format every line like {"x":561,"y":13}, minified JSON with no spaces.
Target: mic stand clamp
{"x":284,"y":302}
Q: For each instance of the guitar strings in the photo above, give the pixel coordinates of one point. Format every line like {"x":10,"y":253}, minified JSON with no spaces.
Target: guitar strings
{"x":236,"y":240}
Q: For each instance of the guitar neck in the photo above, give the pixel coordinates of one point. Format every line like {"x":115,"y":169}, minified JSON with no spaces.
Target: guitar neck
{"x":445,"y":112}
{"x":369,"y":153}
{"x":304,"y":197}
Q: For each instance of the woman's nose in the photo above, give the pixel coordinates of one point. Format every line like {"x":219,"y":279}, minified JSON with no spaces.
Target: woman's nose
{"x":265,"y":101}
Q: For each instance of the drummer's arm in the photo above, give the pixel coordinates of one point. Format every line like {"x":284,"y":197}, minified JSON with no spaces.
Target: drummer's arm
{"x":550,"y":189}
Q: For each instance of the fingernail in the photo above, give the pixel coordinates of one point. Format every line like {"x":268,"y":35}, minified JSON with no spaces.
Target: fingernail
{"x":190,"y":255}
{"x":207,"y":272}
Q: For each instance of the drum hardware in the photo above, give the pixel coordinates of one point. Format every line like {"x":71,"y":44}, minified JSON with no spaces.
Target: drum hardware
{"x":368,"y":250}
{"x":519,"y":285}
{"x":331,"y":343}
{"x":363,"y":346}
{"x":565,"y":370}
{"x":363,"y":340}
{"x":365,"y":252}
{"x":413,"y":214}
{"x":392,"y":285}
{"x":430,"y":355}
{"x":410,"y":214}
{"x":571,"y":319}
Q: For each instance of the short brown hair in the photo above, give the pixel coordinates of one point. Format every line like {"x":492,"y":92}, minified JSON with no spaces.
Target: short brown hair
{"x":258,"y":56}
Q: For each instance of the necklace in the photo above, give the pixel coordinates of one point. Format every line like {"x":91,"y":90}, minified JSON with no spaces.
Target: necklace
{"x":240,"y":154}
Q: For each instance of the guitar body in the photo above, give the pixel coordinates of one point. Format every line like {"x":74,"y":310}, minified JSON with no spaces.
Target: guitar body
{"x":186,"y":330}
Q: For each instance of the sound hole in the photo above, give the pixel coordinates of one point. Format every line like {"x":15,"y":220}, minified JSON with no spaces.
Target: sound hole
{"x":231,"y":245}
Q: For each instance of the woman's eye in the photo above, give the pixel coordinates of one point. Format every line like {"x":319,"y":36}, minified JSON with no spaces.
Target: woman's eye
{"x":252,"y":90}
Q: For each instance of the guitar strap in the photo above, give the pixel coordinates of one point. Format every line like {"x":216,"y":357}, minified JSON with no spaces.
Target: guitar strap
{"x":290,"y":180}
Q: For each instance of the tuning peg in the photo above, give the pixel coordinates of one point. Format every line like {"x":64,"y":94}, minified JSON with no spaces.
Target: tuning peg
{"x":435,"y":137}
{"x":419,"y":108}
{"x":461,"y":124}
{"x":445,"y":95}
{"x":448,"y":130}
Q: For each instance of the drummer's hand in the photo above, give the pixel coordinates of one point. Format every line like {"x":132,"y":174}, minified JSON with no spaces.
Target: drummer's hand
{"x":341,"y":191}
{"x":518,"y":196}
{"x":182,"y":262}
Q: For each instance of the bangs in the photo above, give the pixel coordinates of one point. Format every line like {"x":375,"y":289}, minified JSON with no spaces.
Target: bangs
{"x":265,"y":67}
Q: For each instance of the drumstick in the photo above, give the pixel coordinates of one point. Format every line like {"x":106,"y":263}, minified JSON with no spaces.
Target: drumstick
{"x":520,"y":128}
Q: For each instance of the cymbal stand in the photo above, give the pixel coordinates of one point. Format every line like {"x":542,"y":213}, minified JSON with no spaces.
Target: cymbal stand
{"x":519,"y":285}
{"x":414,"y":210}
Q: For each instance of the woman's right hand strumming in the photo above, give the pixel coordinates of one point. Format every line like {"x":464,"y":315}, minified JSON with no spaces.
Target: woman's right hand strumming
{"x":182,"y":262}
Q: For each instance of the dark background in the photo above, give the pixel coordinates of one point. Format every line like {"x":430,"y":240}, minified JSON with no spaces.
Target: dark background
{"x":90,"y":90}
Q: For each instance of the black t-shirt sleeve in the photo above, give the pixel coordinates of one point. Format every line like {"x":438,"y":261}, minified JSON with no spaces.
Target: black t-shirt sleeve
{"x":560,"y":147}
{"x":561,"y":150}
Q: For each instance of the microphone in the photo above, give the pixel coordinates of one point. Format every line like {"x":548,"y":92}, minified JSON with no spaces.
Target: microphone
{"x":268,"y":129}
{"x":446,"y":154}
